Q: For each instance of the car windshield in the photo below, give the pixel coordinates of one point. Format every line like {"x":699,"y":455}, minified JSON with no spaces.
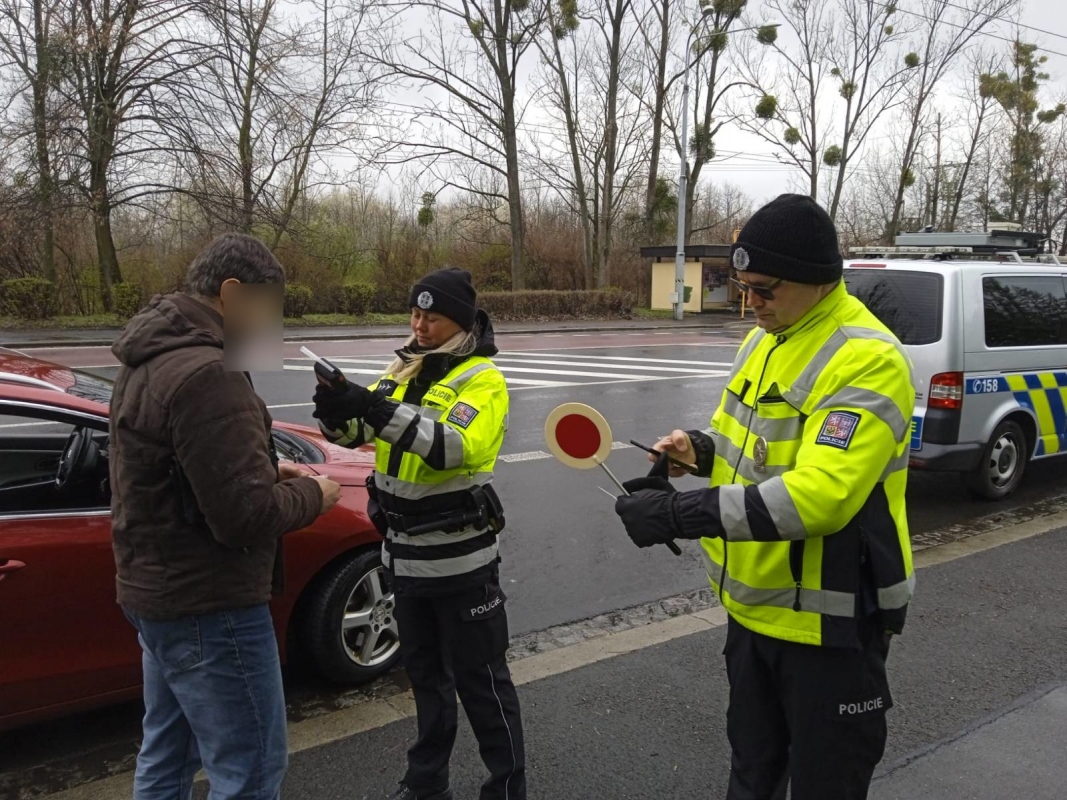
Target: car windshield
{"x":91,"y":387}
{"x":908,"y":303}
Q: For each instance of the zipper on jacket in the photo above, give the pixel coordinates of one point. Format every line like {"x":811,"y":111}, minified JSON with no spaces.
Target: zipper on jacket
{"x":796,"y":567}
{"x":778,"y":340}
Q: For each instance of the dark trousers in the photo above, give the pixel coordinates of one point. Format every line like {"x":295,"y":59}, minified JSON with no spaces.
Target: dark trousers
{"x":456,"y":644}
{"x":810,"y":716}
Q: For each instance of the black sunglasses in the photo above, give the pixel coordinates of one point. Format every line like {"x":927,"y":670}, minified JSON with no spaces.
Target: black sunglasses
{"x":766,"y":292}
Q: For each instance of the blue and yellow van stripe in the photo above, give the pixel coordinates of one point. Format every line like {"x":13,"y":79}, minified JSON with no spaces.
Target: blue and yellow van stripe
{"x":1045,"y":394}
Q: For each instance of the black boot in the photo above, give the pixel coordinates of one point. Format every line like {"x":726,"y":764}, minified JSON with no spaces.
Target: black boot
{"x":405,"y":792}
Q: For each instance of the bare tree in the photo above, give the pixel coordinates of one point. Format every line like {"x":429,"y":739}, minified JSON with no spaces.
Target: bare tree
{"x":979,"y":105}
{"x":472,"y":55}
{"x":655,"y":28}
{"x":945,"y":29}
{"x":712,"y":84}
{"x":562,"y":88}
{"x":26,"y":28}
{"x":124,"y":62}
{"x":868,"y":81}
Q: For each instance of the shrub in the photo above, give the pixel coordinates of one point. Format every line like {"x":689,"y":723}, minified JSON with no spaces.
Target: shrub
{"x":329,"y":299}
{"x":391,"y":298}
{"x":359,"y":298}
{"x":128,"y":299}
{"x":29,"y":298}
{"x":297,"y":300}
{"x":600,"y":303}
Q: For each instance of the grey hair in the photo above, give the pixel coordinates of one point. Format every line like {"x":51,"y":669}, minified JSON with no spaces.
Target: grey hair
{"x":462,"y":344}
{"x":232,"y":255}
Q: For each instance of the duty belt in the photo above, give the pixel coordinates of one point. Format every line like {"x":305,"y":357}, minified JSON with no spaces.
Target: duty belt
{"x":482,"y":509}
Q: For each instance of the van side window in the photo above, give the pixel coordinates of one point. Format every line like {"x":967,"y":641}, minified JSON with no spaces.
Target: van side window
{"x":1024,"y":311}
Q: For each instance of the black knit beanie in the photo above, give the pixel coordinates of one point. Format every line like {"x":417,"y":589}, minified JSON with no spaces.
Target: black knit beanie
{"x":448,"y":292}
{"x":793,"y":238}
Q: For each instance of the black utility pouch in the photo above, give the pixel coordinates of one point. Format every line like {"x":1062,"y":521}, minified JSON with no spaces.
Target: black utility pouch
{"x":375,"y":512}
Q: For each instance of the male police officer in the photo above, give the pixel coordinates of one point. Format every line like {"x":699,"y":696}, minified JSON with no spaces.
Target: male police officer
{"x":804,"y":529}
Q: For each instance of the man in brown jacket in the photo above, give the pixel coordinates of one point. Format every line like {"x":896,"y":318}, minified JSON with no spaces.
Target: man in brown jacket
{"x":199,"y":505}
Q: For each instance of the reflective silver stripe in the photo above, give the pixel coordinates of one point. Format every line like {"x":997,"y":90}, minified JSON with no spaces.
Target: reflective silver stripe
{"x":445,"y":567}
{"x":453,"y":447}
{"x":747,"y":467}
{"x":799,"y":392}
{"x":877,"y":403}
{"x":426,"y":432}
{"x":456,"y":384}
{"x":819,"y":601}
{"x":898,"y":595}
{"x":732,"y":513}
{"x":782,"y":509}
{"x":869,"y":333}
{"x":424,"y":435}
{"x":746,"y":352}
{"x":896,"y":465}
{"x":433,"y":414}
{"x":435,"y":538}
{"x":786,"y":429}
{"x":353,"y":435}
{"x":416,"y":491}
{"x":398,"y":423}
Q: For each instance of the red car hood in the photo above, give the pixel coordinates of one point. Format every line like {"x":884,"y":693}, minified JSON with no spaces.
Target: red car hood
{"x":347,"y":467}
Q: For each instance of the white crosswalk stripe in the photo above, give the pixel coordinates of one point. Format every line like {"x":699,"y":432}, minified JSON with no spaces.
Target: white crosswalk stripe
{"x":550,"y":370}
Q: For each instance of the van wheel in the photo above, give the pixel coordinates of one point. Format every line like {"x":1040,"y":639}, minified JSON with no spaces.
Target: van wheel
{"x":350,"y":626}
{"x":1002,"y":464}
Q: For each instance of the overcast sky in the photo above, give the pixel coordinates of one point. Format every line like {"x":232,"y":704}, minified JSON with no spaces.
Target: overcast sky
{"x":1047,"y":21}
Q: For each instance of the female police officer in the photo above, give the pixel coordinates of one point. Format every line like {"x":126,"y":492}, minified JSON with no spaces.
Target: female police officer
{"x":438,"y":418}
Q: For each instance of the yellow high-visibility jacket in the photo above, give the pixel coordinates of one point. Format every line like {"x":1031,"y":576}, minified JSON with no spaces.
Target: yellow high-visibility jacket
{"x":435,"y":440}
{"x":806,"y":524}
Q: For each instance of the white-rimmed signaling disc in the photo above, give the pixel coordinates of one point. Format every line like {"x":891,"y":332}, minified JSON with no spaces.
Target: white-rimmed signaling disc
{"x":578,"y":435}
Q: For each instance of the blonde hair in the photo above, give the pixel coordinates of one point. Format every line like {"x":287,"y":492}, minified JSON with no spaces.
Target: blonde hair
{"x":405,"y":370}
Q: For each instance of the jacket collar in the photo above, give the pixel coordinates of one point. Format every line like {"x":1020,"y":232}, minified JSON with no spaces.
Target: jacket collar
{"x":820,"y":311}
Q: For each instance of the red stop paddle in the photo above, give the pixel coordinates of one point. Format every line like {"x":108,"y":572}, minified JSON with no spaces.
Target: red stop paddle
{"x":580,"y":437}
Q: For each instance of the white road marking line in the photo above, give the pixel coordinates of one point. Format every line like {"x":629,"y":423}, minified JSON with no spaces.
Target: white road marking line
{"x":643,"y":380}
{"x":575,"y":373}
{"x":537,"y":455}
{"x":617,"y":361}
{"x":28,"y":424}
{"x":616,"y":364}
{"x":350,"y":370}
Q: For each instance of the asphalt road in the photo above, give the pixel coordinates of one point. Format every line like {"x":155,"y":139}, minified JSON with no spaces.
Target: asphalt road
{"x":566,"y":557}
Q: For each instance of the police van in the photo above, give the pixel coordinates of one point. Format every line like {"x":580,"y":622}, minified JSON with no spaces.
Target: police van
{"x":983,"y":317}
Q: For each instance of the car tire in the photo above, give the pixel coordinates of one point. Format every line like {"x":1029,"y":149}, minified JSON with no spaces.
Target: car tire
{"x":350,"y":629}
{"x":1003,"y":462}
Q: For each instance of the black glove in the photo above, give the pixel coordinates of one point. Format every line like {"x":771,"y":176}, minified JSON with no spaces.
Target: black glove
{"x":351,"y":402}
{"x":649,"y":515}
{"x":657,"y":478}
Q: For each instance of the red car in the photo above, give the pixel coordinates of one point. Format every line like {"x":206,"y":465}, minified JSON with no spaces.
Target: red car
{"x":65,"y":644}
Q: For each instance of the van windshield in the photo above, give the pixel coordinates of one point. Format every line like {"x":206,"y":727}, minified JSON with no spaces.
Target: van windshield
{"x":908,"y":303}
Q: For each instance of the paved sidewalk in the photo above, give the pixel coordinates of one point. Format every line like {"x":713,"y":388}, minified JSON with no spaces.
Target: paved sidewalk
{"x":985,"y":630}
{"x":1019,"y":752}
{"x":105,"y":336}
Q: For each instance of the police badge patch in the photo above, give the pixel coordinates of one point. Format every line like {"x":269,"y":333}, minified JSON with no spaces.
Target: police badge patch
{"x":462,"y":415}
{"x":425,"y":300}
{"x":838,"y":429}
{"x":741,"y":259}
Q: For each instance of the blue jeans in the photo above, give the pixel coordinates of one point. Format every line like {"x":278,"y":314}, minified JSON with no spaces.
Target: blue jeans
{"x":213,"y":698}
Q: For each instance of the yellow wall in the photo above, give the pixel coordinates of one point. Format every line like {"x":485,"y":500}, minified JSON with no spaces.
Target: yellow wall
{"x":663,"y":285}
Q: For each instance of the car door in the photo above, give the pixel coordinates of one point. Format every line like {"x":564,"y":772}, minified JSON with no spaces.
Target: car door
{"x":63,"y":640}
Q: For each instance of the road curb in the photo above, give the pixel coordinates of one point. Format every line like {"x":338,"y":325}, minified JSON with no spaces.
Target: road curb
{"x":356,"y":334}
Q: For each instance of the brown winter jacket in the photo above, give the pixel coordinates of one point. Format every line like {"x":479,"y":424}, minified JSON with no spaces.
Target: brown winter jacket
{"x":176,"y":411}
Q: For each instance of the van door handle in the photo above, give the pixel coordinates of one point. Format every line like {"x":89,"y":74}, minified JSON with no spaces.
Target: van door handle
{"x":10,"y":565}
